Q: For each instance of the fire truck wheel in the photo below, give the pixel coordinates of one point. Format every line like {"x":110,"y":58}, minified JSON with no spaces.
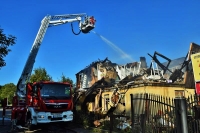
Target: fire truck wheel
{"x":19,"y":121}
{"x":29,"y":125}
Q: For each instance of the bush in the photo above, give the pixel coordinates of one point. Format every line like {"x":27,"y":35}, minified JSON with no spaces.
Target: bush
{"x":83,"y":119}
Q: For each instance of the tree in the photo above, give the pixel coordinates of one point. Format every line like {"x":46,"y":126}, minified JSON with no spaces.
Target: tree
{"x":5,"y":42}
{"x":65,"y":79}
{"x":40,"y":74}
{"x":8,"y":91}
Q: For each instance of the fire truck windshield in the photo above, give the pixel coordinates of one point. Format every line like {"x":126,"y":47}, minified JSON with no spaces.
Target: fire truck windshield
{"x":55,"y":91}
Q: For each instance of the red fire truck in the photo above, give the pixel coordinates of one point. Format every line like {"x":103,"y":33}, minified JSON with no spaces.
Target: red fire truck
{"x":45,"y":102}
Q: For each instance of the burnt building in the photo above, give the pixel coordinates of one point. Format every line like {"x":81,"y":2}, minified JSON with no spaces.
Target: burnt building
{"x":112,"y":72}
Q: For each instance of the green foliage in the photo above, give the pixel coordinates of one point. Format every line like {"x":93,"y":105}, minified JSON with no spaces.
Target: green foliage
{"x":7,"y":91}
{"x":40,"y":74}
{"x":5,"y":42}
{"x":96,"y":130}
{"x":83,"y":119}
{"x":63,"y":78}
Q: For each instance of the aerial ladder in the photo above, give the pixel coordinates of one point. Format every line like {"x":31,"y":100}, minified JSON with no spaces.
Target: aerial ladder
{"x":85,"y":26}
{"x":31,"y":105}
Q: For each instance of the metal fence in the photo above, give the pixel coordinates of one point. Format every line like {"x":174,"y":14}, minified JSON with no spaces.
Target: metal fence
{"x":158,"y":114}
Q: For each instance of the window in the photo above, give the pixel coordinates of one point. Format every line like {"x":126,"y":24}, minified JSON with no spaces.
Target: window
{"x":106,"y":102}
{"x":122,"y":100}
{"x":179,"y":93}
{"x":56,"y":91}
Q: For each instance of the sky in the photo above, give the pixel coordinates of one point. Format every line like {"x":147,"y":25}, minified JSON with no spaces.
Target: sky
{"x":124,"y":32}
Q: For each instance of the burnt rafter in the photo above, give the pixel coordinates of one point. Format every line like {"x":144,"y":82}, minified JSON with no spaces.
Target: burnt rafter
{"x":99,"y":84}
{"x":154,"y":57}
{"x":129,"y":79}
{"x":178,"y":72}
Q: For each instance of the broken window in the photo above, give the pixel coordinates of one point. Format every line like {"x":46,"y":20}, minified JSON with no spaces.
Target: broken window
{"x":122,"y":100}
{"x":106,"y":101}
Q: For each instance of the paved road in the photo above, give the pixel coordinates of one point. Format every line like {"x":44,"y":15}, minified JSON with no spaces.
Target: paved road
{"x":5,"y":127}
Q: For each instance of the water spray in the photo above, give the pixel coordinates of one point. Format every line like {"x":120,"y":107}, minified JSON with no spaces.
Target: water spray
{"x":114,"y":47}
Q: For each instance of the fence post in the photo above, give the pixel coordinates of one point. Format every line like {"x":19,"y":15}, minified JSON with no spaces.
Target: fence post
{"x":4,"y":104}
{"x":143,"y":122}
{"x":111,"y":122}
{"x":132,"y":113}
{"x":181,"y":115}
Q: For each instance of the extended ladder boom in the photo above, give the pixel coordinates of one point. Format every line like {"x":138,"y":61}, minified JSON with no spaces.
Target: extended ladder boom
{"x":48,"y":21}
